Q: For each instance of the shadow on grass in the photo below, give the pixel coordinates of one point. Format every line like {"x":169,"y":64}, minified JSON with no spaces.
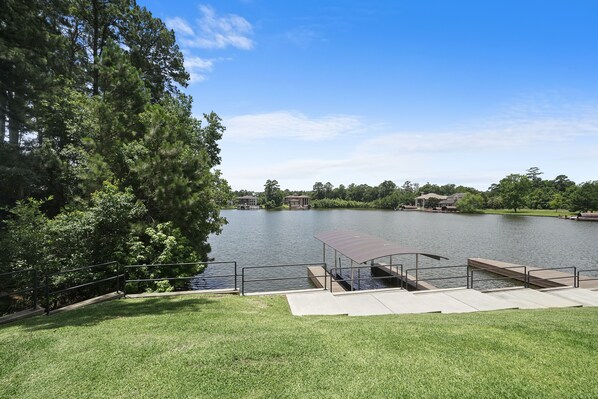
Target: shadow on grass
{"x":118,"y":308}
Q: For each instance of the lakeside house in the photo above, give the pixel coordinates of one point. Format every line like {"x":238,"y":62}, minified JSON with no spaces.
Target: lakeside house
{"x":297,"y":201}
{"x":247,"y":202}
{"x":450,"y":203}
{"x":421,"y":201}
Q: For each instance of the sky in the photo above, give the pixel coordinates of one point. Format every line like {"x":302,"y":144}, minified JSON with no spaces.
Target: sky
{"x":462,"y":92}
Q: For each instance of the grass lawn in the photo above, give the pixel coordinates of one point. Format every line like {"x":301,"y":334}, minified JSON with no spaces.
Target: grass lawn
{"x":251,"y":347}
{"x":529,"y":212}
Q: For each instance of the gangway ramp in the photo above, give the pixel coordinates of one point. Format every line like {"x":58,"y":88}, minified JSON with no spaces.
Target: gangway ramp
{"x":461,"y":300}
{"x":527,"y":298}
{"x":579,"y":295}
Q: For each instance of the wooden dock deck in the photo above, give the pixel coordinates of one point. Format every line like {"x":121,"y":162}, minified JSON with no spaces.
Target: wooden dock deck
{"x":382,"y":269}
{"x":539,"y":277}
{"x":321,"y":279}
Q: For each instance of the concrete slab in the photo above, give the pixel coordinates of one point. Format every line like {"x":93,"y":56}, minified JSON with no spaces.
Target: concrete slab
{"x":403,"y":302}
{"x":521,"y":301}
{"x":581,"y":295}
{"x":480,"y":301}
{"x":542,"y":298}
{"x":447,"y":303}
{"x":314,"y":303}
{"x":362,"y":305}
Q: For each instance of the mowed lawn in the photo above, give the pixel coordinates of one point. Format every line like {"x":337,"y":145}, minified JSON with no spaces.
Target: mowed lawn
{"x":209,"y":346}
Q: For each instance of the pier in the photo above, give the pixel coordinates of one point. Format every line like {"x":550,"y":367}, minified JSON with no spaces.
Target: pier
{"x":409,"y":281}
{"x":539,"y":277}
{"x":322,"y":279}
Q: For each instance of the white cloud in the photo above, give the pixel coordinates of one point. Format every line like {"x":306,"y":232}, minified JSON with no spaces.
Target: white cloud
{"x":197,"y":66}
{"x":179,"y":25}
{"x":477,"y":155}
{"x":213,"y":31}
{"x":287,"y":124}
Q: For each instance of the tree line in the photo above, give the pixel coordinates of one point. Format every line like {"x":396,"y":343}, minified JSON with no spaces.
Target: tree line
{"x":515,"y":191}
{"x":100,"y":156}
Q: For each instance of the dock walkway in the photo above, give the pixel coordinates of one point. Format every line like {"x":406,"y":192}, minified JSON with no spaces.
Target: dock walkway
{"x":460,"y":300}
{"x":543,"y":278}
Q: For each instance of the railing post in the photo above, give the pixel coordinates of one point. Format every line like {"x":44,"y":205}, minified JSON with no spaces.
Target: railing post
{"x":472,"y":278}
{"x":235,"y":275}
{"x":47,"y":292}
{"x":575,"y":281}
{"x":117,"y":278}
{"x":125,"y":278}
{"x":242,"y":281}
{"x":35,"y":289}
{"x":525,"y":281}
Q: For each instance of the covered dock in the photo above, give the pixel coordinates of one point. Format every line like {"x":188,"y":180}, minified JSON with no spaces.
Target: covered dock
{"x":361,"y":248}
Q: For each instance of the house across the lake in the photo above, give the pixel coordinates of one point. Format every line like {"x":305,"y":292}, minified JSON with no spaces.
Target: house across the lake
{"x":422,"y":200}
{"x":247,"y":202}
{"x":450,"y":203}
{"x":297,"y":201}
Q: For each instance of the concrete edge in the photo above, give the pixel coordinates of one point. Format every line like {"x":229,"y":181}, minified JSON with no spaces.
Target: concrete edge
{"x":24,"y":314}
{"x":99,"y":299}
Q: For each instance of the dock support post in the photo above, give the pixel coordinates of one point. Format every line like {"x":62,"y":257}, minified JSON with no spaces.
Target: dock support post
{"x":416,"y":270}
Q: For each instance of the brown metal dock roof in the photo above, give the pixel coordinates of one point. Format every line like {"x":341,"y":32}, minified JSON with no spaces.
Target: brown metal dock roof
{"x":361,"y":247}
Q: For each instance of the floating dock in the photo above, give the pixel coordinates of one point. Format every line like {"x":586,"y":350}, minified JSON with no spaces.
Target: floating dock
{"x":380,"y":269}
{"x":543,"y":278}
{"x":322,"y":279}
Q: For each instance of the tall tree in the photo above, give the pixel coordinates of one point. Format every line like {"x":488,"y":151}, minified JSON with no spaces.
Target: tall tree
{"x":513,"y":190}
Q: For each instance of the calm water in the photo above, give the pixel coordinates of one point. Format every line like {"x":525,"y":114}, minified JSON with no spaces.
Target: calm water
{"x":255,"y":238}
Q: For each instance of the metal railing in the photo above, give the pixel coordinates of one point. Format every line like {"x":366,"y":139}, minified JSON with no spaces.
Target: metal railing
{"x":32,"y":285}
{"x":350,"y":281}
{"x":417,"y":270}
{"x":90,"y":281}
{"x":503,"y":278}
{"x":574,"y":276}
{"x":585,"y":279}
{"x":129,"y":269}
{"x":304,"y":266}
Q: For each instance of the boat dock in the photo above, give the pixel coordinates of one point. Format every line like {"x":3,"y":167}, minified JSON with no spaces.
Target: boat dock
{"x":539,"y":277}
{"x":381,"y":269}
{"x":321,"y":279}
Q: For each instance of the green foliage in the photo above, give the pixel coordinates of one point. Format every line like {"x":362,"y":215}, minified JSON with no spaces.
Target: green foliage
{"x":513,"y":190}
{"x":328,"y":203}
{"x":272,"y":195}
{"x":584,"y":197}
{"x":470,"y":203}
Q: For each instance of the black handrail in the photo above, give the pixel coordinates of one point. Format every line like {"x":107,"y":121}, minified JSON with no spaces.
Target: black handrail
{"x":33,"y":288}
{"x":48,"y":276}
{"x":525,"y":282}
{"x":437,"y":278}
{"x":127,"y":269}
{"x":304,"y":265}
{"x":575,"y":281}
{"x":350,"y":281}
{"x":585,"y":279}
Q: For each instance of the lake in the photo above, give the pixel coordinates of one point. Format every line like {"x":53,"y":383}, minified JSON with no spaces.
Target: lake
{"x":260,"y":237}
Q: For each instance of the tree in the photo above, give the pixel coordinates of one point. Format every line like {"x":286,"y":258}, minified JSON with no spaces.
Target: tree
{"x":513,"y":190}
{"x":470,"y":203}
{"x":318,"y":191}
{"x":533,"y":174}
{"x":386,"y":188}
{"x":584,"y":197}
{"x":272,"y":194}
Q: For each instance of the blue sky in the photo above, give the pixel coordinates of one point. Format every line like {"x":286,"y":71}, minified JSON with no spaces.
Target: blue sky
{"x":460,"y":92}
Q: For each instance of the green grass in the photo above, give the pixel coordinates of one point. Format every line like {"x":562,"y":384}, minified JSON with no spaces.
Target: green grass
{"x":529,"y":212}
{"x":251,"y":347}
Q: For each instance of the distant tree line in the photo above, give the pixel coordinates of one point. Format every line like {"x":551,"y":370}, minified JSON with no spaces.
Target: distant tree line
{"x":101,"y":157}
{"x":515,"y":191}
